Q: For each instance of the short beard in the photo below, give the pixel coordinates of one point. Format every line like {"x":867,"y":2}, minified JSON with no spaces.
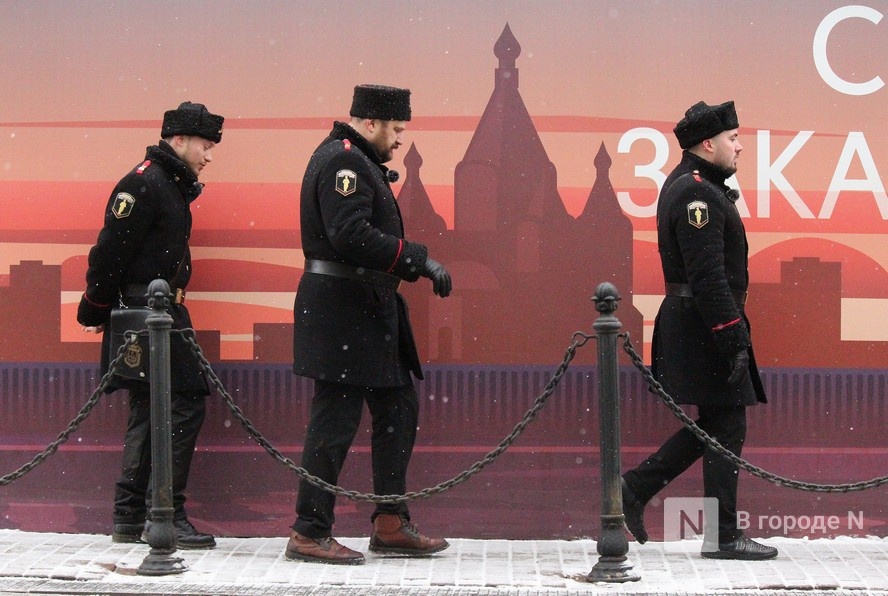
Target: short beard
{"x":728,"y":171}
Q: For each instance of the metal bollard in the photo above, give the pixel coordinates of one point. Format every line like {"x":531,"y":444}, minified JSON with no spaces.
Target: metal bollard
{"x":161,"y":534}
{"x":612,"y":565}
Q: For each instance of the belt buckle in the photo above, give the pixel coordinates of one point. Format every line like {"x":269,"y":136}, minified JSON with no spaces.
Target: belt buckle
{"x":180,"y":295}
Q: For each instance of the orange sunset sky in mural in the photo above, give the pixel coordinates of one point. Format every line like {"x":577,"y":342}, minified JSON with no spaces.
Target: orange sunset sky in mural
{"x":85,"y":85}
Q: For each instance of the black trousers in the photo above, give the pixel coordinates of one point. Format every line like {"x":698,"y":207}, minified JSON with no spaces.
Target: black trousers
{"x":335,"y":417}
{"x":728,"y":427}
{"x":132,"y":494}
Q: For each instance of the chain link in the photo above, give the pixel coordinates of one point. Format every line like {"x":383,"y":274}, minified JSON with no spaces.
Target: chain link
{"x":724,"y":452}
{"x":578,"y":340}
{"x":130,"y":337}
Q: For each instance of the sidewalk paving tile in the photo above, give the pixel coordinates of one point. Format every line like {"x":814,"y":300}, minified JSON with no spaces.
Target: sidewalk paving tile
{"x":41,"y":563}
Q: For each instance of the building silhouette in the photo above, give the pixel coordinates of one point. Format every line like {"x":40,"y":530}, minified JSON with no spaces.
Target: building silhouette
{"x":31,"y":317}
{"x":524,"y":269}
{"x":797,"y":323}
{"x":31,"y":314}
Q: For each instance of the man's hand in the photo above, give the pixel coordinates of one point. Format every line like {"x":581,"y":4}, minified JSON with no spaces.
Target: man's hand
{"x":94,"y":329}
{"x":739,"y":366}
{"x":441,"y":282}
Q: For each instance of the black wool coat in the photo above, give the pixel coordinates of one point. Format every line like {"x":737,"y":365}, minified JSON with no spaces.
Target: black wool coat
{"x":349,"y":331}
{"x":145,"y":237}
{"x":702,"y":243}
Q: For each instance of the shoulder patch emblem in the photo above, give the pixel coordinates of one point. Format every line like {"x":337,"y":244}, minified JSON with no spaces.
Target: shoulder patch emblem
{"x":698,"y":214}
{"x":123,"y":205}
{"x":346,"y":182}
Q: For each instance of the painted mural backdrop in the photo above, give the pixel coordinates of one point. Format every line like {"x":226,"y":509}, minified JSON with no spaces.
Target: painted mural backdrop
{"x":540,"y":138}
{"x":508,"y":162}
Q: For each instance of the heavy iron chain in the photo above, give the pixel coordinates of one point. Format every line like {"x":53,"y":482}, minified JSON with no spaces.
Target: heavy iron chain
{"x":724,"y":452}
{"x":130,"y":337}
{"x":578,"y":340}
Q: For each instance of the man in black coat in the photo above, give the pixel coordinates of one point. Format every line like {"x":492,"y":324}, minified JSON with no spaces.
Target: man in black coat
{"x":702,"y":353}
{"x":145,"y":237}
{"x":352,"y":334}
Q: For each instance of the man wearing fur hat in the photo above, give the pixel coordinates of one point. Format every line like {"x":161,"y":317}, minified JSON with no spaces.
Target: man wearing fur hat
{"x":145,"y":237}
{"x":352,"y":333}
{"x":702,"y":354}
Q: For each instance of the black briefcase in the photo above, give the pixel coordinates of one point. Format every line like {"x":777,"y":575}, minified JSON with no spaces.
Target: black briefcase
{"x":136,"y":358}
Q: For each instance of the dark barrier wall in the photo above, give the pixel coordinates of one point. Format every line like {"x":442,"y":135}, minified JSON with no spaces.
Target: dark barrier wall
{"x":821,"y":426}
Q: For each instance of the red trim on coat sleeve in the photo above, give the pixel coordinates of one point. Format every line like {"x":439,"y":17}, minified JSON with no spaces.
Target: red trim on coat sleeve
{"x":85,"y":297}
{"x":724,"y":325}
{"x":397,"y":256}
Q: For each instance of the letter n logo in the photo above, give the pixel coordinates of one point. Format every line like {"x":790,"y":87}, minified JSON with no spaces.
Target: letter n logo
{"x":689,"y":519}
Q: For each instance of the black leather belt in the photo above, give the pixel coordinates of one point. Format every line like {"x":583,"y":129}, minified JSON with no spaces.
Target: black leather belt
{"x":684,"y":290}
{"x":141,"y":291}
{"x":370,"y":276}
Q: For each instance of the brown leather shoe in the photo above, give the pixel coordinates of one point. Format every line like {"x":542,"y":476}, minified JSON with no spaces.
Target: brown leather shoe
{"x":393,"y":534}
{"x":320,"y":550}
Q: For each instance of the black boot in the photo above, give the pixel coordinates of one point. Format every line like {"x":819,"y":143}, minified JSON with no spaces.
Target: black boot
{"x":128,"y":532}
{"x":187,"y":537}
{"x":742,"y":549}
{"x":633,"y":513}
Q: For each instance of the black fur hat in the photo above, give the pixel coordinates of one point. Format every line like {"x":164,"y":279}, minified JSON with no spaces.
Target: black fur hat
{"x":379,"y":102}
{"x":192,"y":119}
{"x":703,"y":122}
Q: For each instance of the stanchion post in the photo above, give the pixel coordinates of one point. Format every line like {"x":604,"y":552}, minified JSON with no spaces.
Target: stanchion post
{"x":612,"y":565}
{"x":161,"y":533}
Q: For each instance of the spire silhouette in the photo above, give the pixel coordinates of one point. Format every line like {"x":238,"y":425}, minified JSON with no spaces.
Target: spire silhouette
{"x":507,"y":49}
{"x":414,"y":201}
{"x":506,"y":176}
{"x":521,"y":264}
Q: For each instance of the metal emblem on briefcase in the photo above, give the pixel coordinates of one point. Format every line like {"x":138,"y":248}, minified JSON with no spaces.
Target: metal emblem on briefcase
{"x":133,"y":357}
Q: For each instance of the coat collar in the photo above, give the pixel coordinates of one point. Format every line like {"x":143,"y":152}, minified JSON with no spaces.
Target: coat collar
{"x":708,"y":170}
{"x":166,"y":157}
{"x":342,"y":131}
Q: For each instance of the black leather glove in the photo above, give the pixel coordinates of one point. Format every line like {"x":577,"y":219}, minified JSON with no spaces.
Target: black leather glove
{"x":441,"y":282}
{"x":739,"y":366}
